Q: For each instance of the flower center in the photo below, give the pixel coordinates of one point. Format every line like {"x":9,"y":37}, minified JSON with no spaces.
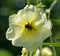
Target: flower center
{"x":28,"y":26}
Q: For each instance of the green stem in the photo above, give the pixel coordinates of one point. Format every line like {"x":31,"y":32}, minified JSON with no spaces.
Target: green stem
{"x":28,"y":2}
{"x":53,"y":4}
{"x":51,"y":7}
{"x":38,"y":1}
{"x":53,"y":46}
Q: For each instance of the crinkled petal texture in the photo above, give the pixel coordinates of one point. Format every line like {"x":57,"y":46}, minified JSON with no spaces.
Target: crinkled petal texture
{"x":21,"y":36}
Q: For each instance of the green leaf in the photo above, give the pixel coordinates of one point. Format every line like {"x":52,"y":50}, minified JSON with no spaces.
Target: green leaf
{"x":56,"y":21}
{"x":5,"y":53}
{"x":28,"y":2}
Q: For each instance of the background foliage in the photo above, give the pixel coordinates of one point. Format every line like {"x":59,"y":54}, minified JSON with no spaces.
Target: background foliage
{"x":8,"y":7}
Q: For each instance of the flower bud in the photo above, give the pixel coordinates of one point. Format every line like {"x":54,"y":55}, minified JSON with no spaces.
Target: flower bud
{"x":47,"y":52}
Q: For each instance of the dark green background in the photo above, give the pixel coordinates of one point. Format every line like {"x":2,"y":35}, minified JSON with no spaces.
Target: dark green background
{"x":8,"y":7}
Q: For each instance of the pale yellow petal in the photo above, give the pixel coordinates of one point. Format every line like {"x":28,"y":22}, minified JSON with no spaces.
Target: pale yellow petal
{"x":14,"y":32}
{"x":12,"y":19}
{"x":45,"y":30}
{"x":41,"y":21}
{"x":30,"y":13}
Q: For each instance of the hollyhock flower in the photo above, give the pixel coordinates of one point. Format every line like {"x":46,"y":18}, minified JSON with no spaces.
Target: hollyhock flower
{"x":29,"y":27}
